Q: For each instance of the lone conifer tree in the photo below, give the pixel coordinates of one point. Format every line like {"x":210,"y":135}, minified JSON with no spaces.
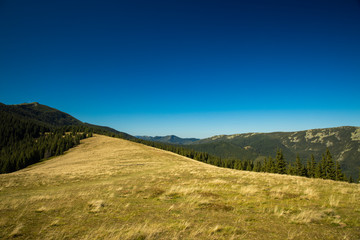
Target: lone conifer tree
{"x":329,"y":166}
{"x":339,"y":175}
{"x":280,"y":165}
{"x":298,"y":166}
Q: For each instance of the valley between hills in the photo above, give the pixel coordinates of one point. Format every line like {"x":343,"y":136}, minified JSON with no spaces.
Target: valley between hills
{"x":111,"y":188}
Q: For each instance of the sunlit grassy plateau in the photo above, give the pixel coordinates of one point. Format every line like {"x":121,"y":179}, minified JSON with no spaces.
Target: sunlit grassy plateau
{"x":109,"y":188}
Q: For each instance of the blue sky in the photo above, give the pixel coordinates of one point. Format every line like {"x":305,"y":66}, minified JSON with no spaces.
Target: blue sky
{"x":190,"y":68}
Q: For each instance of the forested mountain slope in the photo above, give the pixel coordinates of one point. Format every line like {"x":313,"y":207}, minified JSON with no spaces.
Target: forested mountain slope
{"x":32,"y":132}
{"x":50,"y":117}
{"x":41,"y":113}
{"x":343,"y":143}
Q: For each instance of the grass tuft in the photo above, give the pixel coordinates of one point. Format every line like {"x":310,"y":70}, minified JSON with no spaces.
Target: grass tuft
{"x":96,"y":205}
{"x":215,"y":206}
{"x":16,"y":232}
{"x":308,"y":216}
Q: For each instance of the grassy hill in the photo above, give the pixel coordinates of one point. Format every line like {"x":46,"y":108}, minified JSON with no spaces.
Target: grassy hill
{"x":109,"y":188}
{"x":343,"y":143}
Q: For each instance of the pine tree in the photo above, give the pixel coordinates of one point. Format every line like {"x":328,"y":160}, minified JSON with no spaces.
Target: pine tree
{"x":351,"y":179}
{"x":329,"y":167}
{"x":237,"y":165}
{"x":312,"y":167}
{"x":298,"y":166}
{"x":264,"y":166}
{"x":319,"y":173}
{"x":257,"y":167}
{"x":280,"y":166}
{"x":290,"y":169}
{"x":249,"y":166}
{"x":338,"y":172}
{"x":304,"y":172}
{"x":323,"y":165}
{"x":271,"y":166}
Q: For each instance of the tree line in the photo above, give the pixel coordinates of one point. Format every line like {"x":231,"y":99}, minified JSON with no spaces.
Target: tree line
{"x":25,"y":139}
{"x":28,"y":142}
{"x":14,"y":129}
{"x":326,"y":168}
{"x":32,"y":150}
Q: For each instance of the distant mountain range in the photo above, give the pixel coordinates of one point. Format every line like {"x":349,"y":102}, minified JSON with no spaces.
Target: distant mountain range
{"x":172,"y":139}
{"x":343,"y":143}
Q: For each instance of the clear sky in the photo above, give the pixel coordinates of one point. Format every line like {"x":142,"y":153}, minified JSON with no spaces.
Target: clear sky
{"x":189,"y":68}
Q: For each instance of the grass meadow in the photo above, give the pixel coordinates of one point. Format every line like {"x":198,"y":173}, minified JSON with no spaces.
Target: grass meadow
{"x":108,"y":188}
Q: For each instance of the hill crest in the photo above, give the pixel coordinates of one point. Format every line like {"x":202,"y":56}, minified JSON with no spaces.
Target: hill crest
{"x":172,"y":139}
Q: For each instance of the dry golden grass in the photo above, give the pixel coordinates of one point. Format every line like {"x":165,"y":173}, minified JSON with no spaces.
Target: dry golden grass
{"x":109,"y":188}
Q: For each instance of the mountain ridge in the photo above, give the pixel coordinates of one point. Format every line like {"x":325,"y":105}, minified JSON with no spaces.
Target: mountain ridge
{"x":172,"y":139}
{"x":255,"y":133}
{"x":42,"y":113}
{"x":343,"y":142}
{"x":51,"y":117}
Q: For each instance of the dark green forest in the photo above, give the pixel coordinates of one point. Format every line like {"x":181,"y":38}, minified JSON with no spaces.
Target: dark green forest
{"x":32,"y":150}
{"x":33,"y":132}
{"x":25,"y":140}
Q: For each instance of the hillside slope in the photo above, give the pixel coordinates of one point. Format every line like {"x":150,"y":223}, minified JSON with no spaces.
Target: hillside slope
{"x":40,"y":113}
{"x":31,"y":132}
{"x":109,"y":188}
{"x":343,"y":143}
{"x":49,"y":117}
